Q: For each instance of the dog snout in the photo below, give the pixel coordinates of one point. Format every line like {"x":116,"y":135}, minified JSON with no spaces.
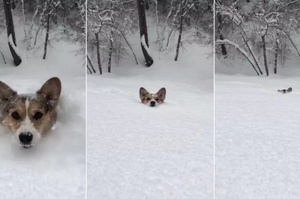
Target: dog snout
{"x":152,"y":103}
{"x":26,"y":138}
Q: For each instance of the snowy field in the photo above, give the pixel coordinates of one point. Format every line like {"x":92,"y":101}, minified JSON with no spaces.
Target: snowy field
{"x":55,"y":167}
{"x":135,"y":151}
{"x":257,"y":134}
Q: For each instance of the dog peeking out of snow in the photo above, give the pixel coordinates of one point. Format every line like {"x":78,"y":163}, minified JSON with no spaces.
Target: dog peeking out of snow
{"x":284,"y":91}
{"x":28,"y":116}
{"x":152,"y":99}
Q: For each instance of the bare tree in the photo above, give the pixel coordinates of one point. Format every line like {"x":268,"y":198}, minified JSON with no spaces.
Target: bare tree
{"x":11,"y":32}
{"x":98,"y":52}
{"x":51,"y":7}
{"x":144,"y":33}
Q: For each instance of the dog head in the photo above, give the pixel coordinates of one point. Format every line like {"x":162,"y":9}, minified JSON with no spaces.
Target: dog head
{"x":284,"y":91}
{"x":29,"y":116}
{"x":152,"y":99}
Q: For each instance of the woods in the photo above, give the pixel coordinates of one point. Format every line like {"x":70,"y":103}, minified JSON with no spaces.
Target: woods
{"x":11,"y":32}
{"x":42,"y":23}
{"x":115,"y":28}
{"x":260,"y":31}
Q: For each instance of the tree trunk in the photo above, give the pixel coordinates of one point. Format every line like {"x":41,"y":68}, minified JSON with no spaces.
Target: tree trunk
{"x":11,"y":31}
{"x":261,"y":12}
{"x":223,"y":47}
{"x":110,"y":51}
{"x":47,"y":35}
{"x":98,"y":53}
{"x":180,"y":33}
{"x":265,"y":54}
{"x":276,"y":54}
{"x":3,"y":57}
{"x":251,"y":52}
{"x":143,"y":31}
{"x":90,"y":62}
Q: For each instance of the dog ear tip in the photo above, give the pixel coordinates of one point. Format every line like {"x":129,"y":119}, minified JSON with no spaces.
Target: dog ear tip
{"x":54,"y":79}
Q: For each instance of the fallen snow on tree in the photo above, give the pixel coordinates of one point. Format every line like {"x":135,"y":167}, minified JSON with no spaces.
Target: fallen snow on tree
{"x":12,"y":44}
{"x":144,"y":44}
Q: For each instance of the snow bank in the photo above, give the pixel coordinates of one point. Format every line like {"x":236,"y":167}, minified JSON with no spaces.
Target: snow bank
{"x":257,"y":137}
{"x":135,"y":151}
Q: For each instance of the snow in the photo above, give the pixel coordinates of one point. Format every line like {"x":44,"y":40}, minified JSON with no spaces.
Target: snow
{"x":55,"y":167}
{"x":136,"y":151}
{"x":257,"y":137}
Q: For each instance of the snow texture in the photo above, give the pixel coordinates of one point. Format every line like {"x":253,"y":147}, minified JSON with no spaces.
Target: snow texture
{"x":136,"y":151}
{"x":55,"y":167}
{"x":257,"y":137}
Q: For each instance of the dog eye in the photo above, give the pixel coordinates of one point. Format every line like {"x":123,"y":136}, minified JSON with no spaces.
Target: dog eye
{"x":16,"y":115}
{"x":37,"y":115}
{"x":148,"y":99}
{"x":156,"y":99}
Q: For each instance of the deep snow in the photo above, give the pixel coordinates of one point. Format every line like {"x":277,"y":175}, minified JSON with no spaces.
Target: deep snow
{"x":257,"y":137}
{"x":55,"y":167}
{"x":135,"y":151}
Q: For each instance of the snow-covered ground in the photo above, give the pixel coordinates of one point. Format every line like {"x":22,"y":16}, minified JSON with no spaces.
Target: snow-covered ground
{"x":257,"y":134}
{"x":135,"y":151}
{"x":55,"y":167}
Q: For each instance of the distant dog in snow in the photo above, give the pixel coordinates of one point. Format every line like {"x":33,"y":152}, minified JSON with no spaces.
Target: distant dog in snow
{"x":152,"y":99}
{"x":28,"y":116}
{"x":284,"y":91}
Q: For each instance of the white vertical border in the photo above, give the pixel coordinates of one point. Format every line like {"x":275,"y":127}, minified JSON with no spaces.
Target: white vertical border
{"x":214,"y":100}
{"x":86,"y":126}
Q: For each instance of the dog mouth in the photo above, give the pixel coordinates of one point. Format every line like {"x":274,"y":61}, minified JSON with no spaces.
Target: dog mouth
{"x":26,"y":146}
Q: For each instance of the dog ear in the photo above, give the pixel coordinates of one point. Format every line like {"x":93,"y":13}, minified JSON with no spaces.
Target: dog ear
{"x":51,"y":91}
{"x":161,"y":94}
{"x":143,"y":93}
{"x":6,"y":93}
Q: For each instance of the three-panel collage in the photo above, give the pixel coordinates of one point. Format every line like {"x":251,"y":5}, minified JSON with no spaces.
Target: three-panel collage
{"x":149,"y":99}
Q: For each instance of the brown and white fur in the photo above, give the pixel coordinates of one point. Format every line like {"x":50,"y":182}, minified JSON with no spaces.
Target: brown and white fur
{"x":284,"y":91}
{"x":28,"y":116}
{"x":152,"y":99}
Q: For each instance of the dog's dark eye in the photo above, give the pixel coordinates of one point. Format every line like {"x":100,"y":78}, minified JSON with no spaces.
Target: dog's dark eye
{"x":37,"y":115}
{"x":148,"y":99}
{"x":156,"y":99}
{"x":16,"y":115}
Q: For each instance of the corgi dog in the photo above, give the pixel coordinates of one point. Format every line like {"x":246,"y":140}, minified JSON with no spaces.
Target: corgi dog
{"x":152,"y":99}
{"x":284,"y":91}
{"x":28,"y":116}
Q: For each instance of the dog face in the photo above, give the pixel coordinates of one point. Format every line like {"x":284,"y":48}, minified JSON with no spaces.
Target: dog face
{"x":152,"y":99}
{"x":29,"y":116}
{"x":284,"y":91}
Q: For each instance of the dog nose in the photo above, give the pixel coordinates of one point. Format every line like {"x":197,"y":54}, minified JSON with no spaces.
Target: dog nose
{"x":152,"y":103}
{"x":26,"y":137}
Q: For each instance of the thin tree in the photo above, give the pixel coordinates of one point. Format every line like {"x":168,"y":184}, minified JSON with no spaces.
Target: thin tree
{"x":49,"y":15}
{"x":182,"y":5}
{"x":11,"y":31}
{"x":98,"y":52}
{"x":263,"y":33}
{"x":144,"y":33}
{"x":223,"y":47}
